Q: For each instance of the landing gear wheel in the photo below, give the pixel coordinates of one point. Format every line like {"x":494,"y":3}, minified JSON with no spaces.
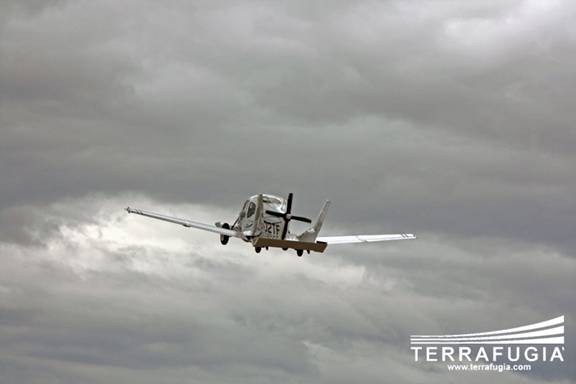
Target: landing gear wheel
{"x":284,"y":249}
{"x":299,"y":252}
{"x":223,"y":238}
{"x":257,"y":249}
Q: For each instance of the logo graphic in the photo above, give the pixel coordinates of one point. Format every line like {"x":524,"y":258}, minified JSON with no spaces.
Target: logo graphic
{"x":495,"y":350}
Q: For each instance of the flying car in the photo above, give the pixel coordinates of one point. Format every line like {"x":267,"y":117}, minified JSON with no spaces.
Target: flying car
{"x":264,"y":222}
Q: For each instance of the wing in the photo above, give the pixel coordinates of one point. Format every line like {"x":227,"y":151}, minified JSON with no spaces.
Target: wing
{"x":184,"y":222}
{"x":364,"y":238}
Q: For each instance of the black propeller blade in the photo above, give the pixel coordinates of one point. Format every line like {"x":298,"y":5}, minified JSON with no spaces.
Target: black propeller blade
{"x":289,"y":203}
{"x":301,"y":218}
{"x":274,"y":213}
{"x":287,"y":216}
{"x":285,"y":229}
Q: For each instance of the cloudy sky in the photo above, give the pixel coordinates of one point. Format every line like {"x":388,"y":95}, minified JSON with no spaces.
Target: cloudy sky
{"x":450,"y":120}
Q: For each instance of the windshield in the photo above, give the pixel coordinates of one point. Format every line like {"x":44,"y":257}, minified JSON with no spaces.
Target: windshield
{"x":251,"y":210}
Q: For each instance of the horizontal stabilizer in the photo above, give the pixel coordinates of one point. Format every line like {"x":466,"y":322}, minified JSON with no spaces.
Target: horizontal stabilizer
{"x":263,"y":242}
{"x":365,"y":238}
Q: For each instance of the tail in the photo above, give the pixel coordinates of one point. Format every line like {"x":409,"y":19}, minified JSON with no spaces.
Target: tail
{"x":311,"y":233}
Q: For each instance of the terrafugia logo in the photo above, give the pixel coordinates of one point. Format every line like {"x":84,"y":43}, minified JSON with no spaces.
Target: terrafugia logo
{"x":494,"y":350}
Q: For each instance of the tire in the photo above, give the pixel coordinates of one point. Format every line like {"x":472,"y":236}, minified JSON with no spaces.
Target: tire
{"x":223,"y":238}
{"x":257,"y":249}
{"x":299,"y":252}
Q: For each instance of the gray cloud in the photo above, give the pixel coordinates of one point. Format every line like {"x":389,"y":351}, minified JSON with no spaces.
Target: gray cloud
{"x":119,"y":297}
{"x":174,"y":108}
{"x":453,"y":121}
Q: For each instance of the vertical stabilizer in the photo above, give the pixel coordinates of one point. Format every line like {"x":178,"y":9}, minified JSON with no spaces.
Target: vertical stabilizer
{"x":311,"y":233}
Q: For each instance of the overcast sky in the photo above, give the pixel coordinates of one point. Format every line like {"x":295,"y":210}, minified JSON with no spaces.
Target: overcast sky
{"x":451,"y":120}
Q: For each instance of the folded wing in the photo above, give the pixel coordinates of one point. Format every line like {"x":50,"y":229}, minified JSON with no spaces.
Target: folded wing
{"x":364,"y":238}
{"x":184,"y":222}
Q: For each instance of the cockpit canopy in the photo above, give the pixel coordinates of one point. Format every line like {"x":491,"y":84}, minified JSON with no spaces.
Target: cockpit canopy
{"x":269,"y":202}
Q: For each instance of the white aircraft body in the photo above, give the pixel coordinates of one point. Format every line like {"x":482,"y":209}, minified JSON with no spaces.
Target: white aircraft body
{"x":263,"y":221}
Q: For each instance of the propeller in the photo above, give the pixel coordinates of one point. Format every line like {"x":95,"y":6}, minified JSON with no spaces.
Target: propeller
{"x":287,"y":216}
